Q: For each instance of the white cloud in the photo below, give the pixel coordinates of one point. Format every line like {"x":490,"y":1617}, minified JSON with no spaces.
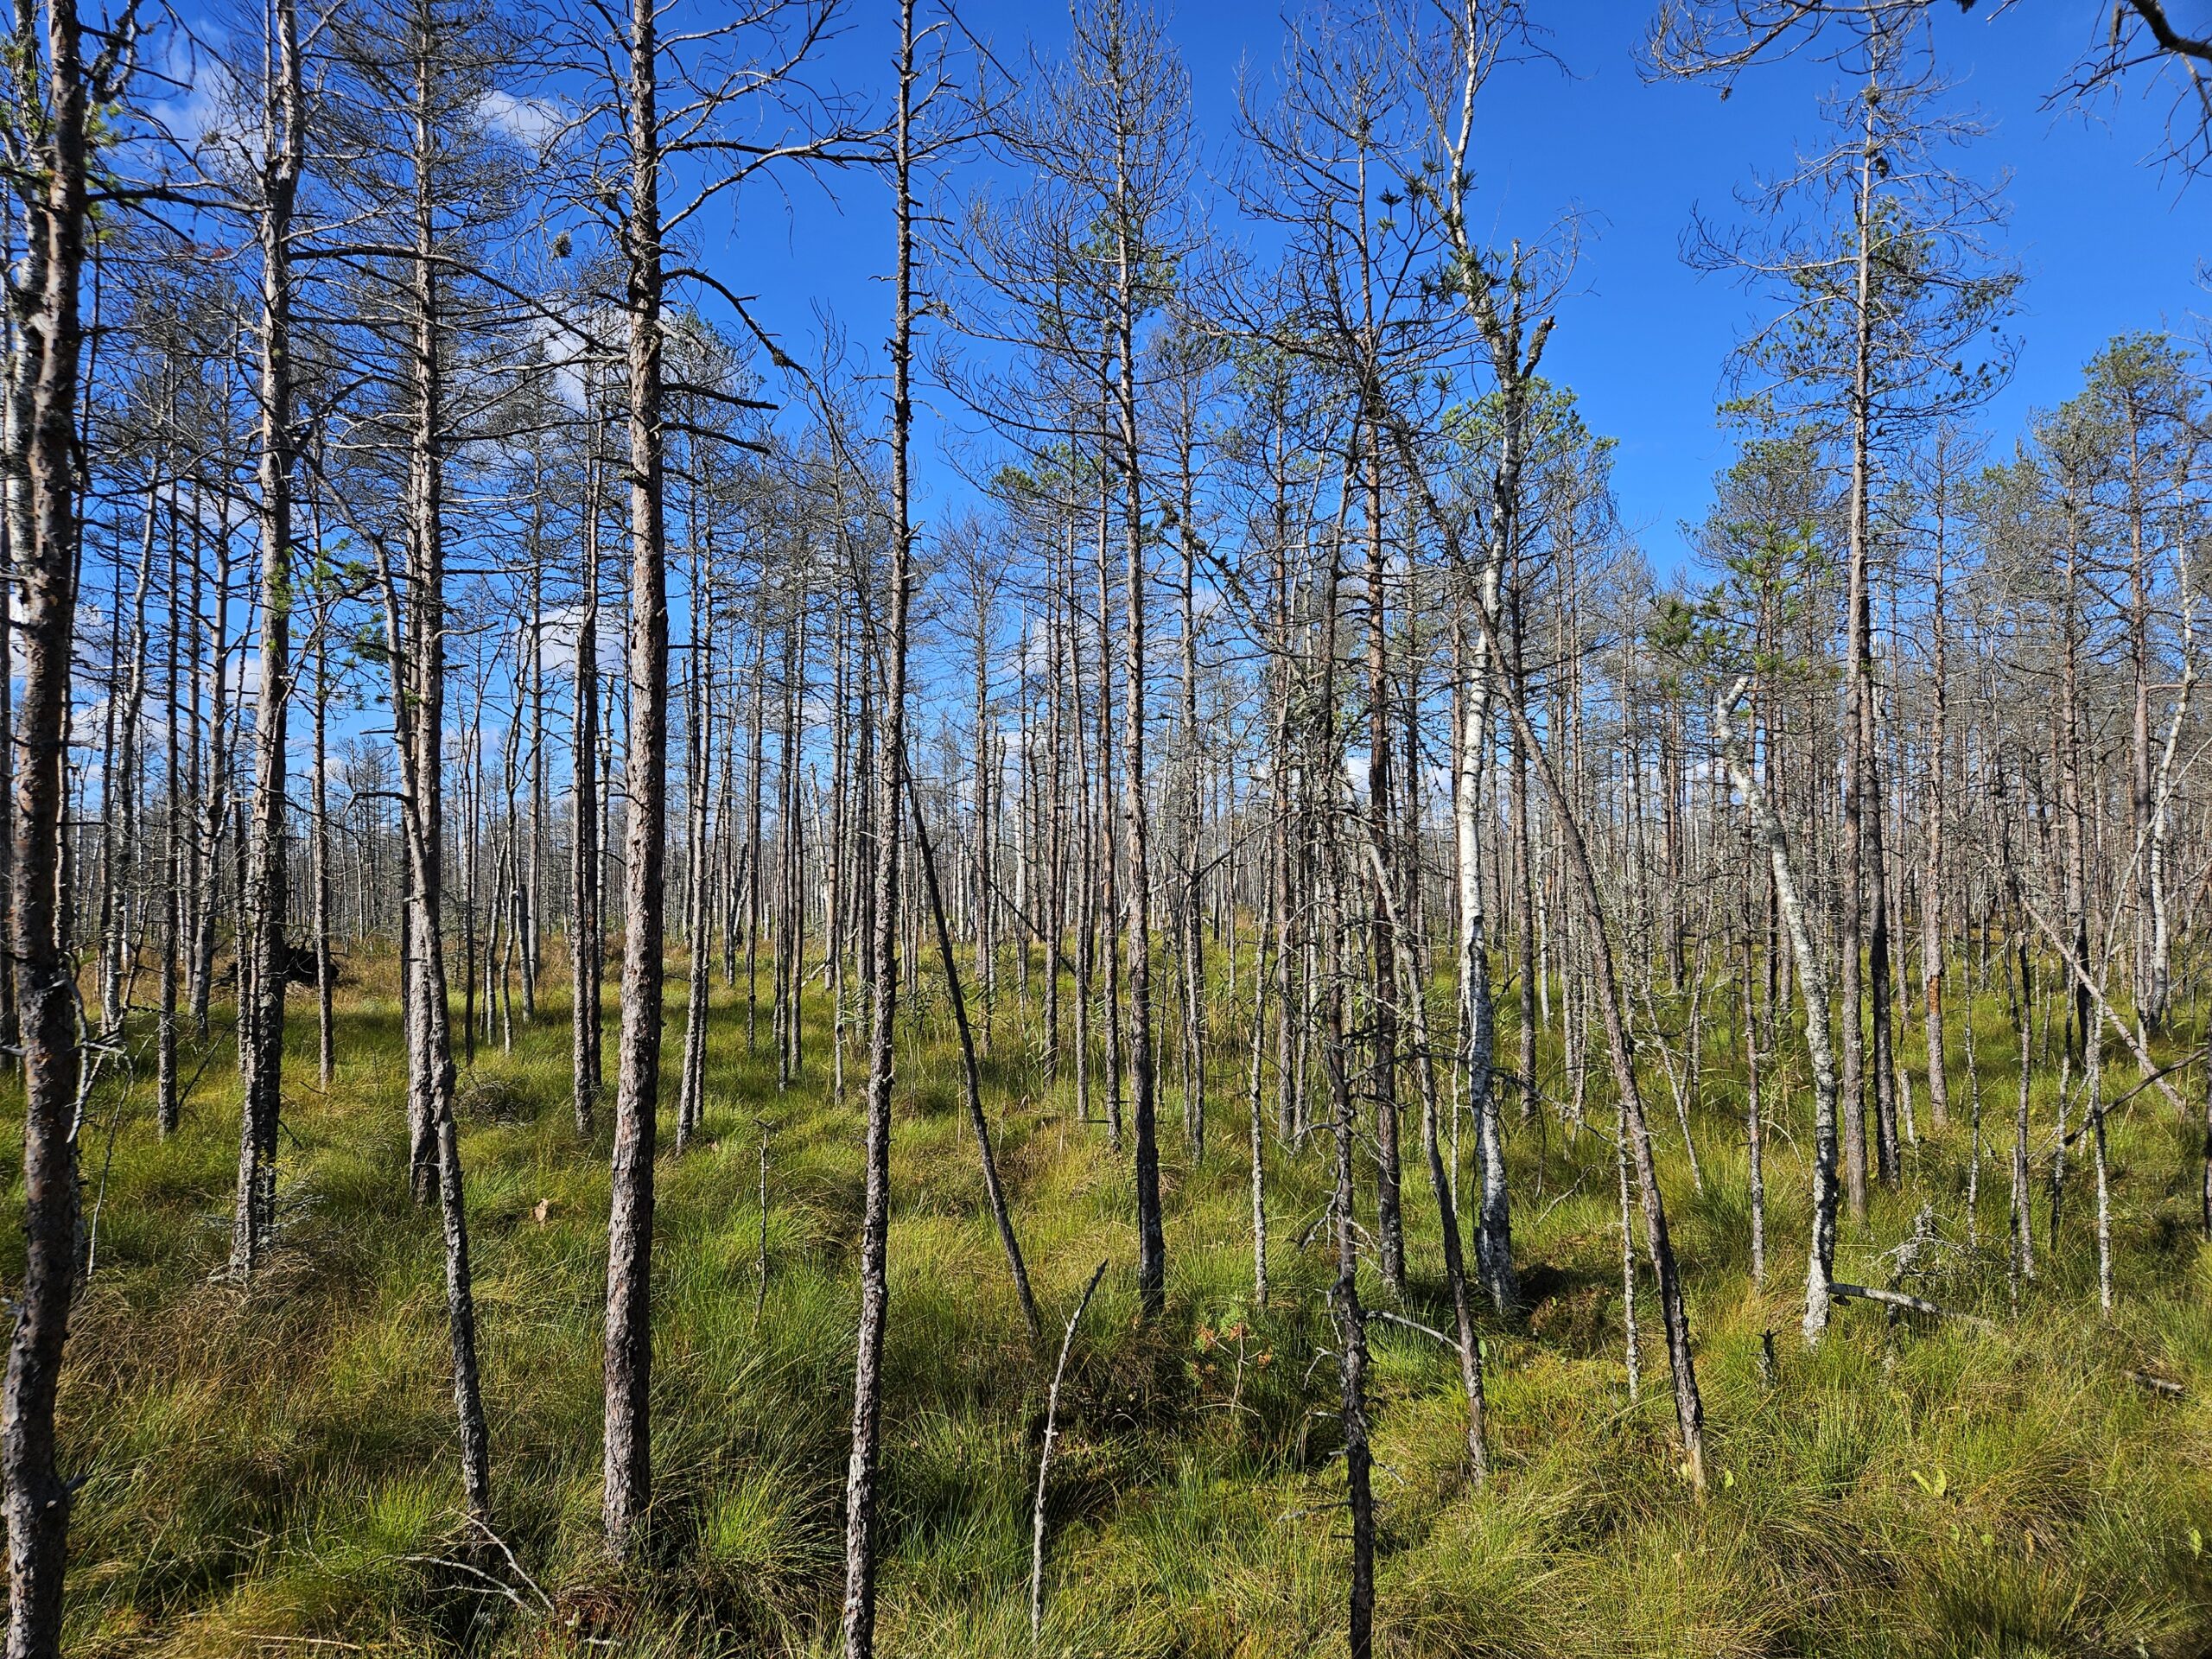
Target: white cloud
{"x":529,"y":121}
{"x":569,"y":351}
{"x":207,"y":100}
{"x":562,"y":626}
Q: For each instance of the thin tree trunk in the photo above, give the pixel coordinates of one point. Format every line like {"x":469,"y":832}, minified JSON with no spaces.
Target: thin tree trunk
{"x":1931,"y":897}
{"x":583,"y":821}
{"x":630,"y":1221}
{"x":1813,"y":977}
{"x":1344,"y":1307}
{"x":1455,"y":1272}
{"x":976,"y":1121}
{"x":166,"y":1105}
{"x":325,"y":972}
{"x":1044,"y":1460}
{"x":1390,"y":1221}
{"x":860,"y":1516}
{"x":690,"y":1107}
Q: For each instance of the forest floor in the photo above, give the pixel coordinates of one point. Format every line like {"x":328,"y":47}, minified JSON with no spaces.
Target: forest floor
{"x":274,"y":1471}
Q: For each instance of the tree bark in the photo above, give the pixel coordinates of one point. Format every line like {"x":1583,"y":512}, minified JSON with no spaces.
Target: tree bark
{"x":1813,"y":977}
{"x":584,"y":926}
{"x":630,"y":1219}
{"x":861,"y":1499}
{"x":43,"y":294}
{"x":261,"y":953}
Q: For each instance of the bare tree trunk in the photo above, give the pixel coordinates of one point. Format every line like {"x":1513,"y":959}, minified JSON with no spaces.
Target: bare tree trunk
{"x":326,"y":972}
{"x":584,"y":921}
{"x":1410,"y":987}
{"x":116,"y":736}
{"x":261,"y":951}
{"x":860,"y":1517}
{"x":1813,"y":977}
{"x":976,"y":1121}
{"x":2023,"y":1257}
{"x":1193,"y":933}
{"x":1343,"y":1300}
{"x":1390,"y":1221}
{"x":630,"y":1221}
{"x":1630,"y":1336}
{"x":755,"y":738}
{"x":1152,"y":1245}
{"x":1605,"y":984}
{"x":19,"y":524}
{"x":2158,"y":973}
{"x":1931,"y":897}
{"x":1525,"y":943}
{"x":1858,"y":717}
{"x":44,"y":293}
{"x":2093,"y":1108}
{"x":1493,"y":1228}
{"x":1754,"y":1129}
{"x":416,"y":639}
{"x":173,"y":830}
{"x":1256,"y":1112}
{"x":1044,"y":1460}
{"x":690,"y":1107}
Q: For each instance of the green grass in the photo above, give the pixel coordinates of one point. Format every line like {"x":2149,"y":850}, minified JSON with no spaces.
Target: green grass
{"x":275,"y":1470}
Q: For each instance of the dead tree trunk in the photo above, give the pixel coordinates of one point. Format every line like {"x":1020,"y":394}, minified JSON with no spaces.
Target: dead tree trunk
{"x":584,"y":920}
{"x":261,"y":949}
{"x":43,"y":294}
{"x":630,"y":1220}
{"x":860,"y":1517}
{"x":1813,"y":977}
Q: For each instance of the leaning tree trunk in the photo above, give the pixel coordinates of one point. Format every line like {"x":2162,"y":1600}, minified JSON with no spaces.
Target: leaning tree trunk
{"x":1813,"y":977}
{"x":971,"y":1074}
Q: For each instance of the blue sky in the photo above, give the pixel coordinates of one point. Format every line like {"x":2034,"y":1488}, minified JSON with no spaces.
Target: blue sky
{"x":2107,"y":243}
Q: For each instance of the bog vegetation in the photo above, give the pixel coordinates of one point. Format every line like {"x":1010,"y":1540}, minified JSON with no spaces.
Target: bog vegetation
{"x":1224,"y":1029}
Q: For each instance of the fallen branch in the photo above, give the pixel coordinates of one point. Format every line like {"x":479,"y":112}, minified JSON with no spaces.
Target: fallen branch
{"x":2162,"y":1073}
{"x":2152,"y":1074}
{"x":1428,"y":1330}
{"x":532,"y":1584}
{"x":1910,"y":1304}
{"x":488,"y":1584}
